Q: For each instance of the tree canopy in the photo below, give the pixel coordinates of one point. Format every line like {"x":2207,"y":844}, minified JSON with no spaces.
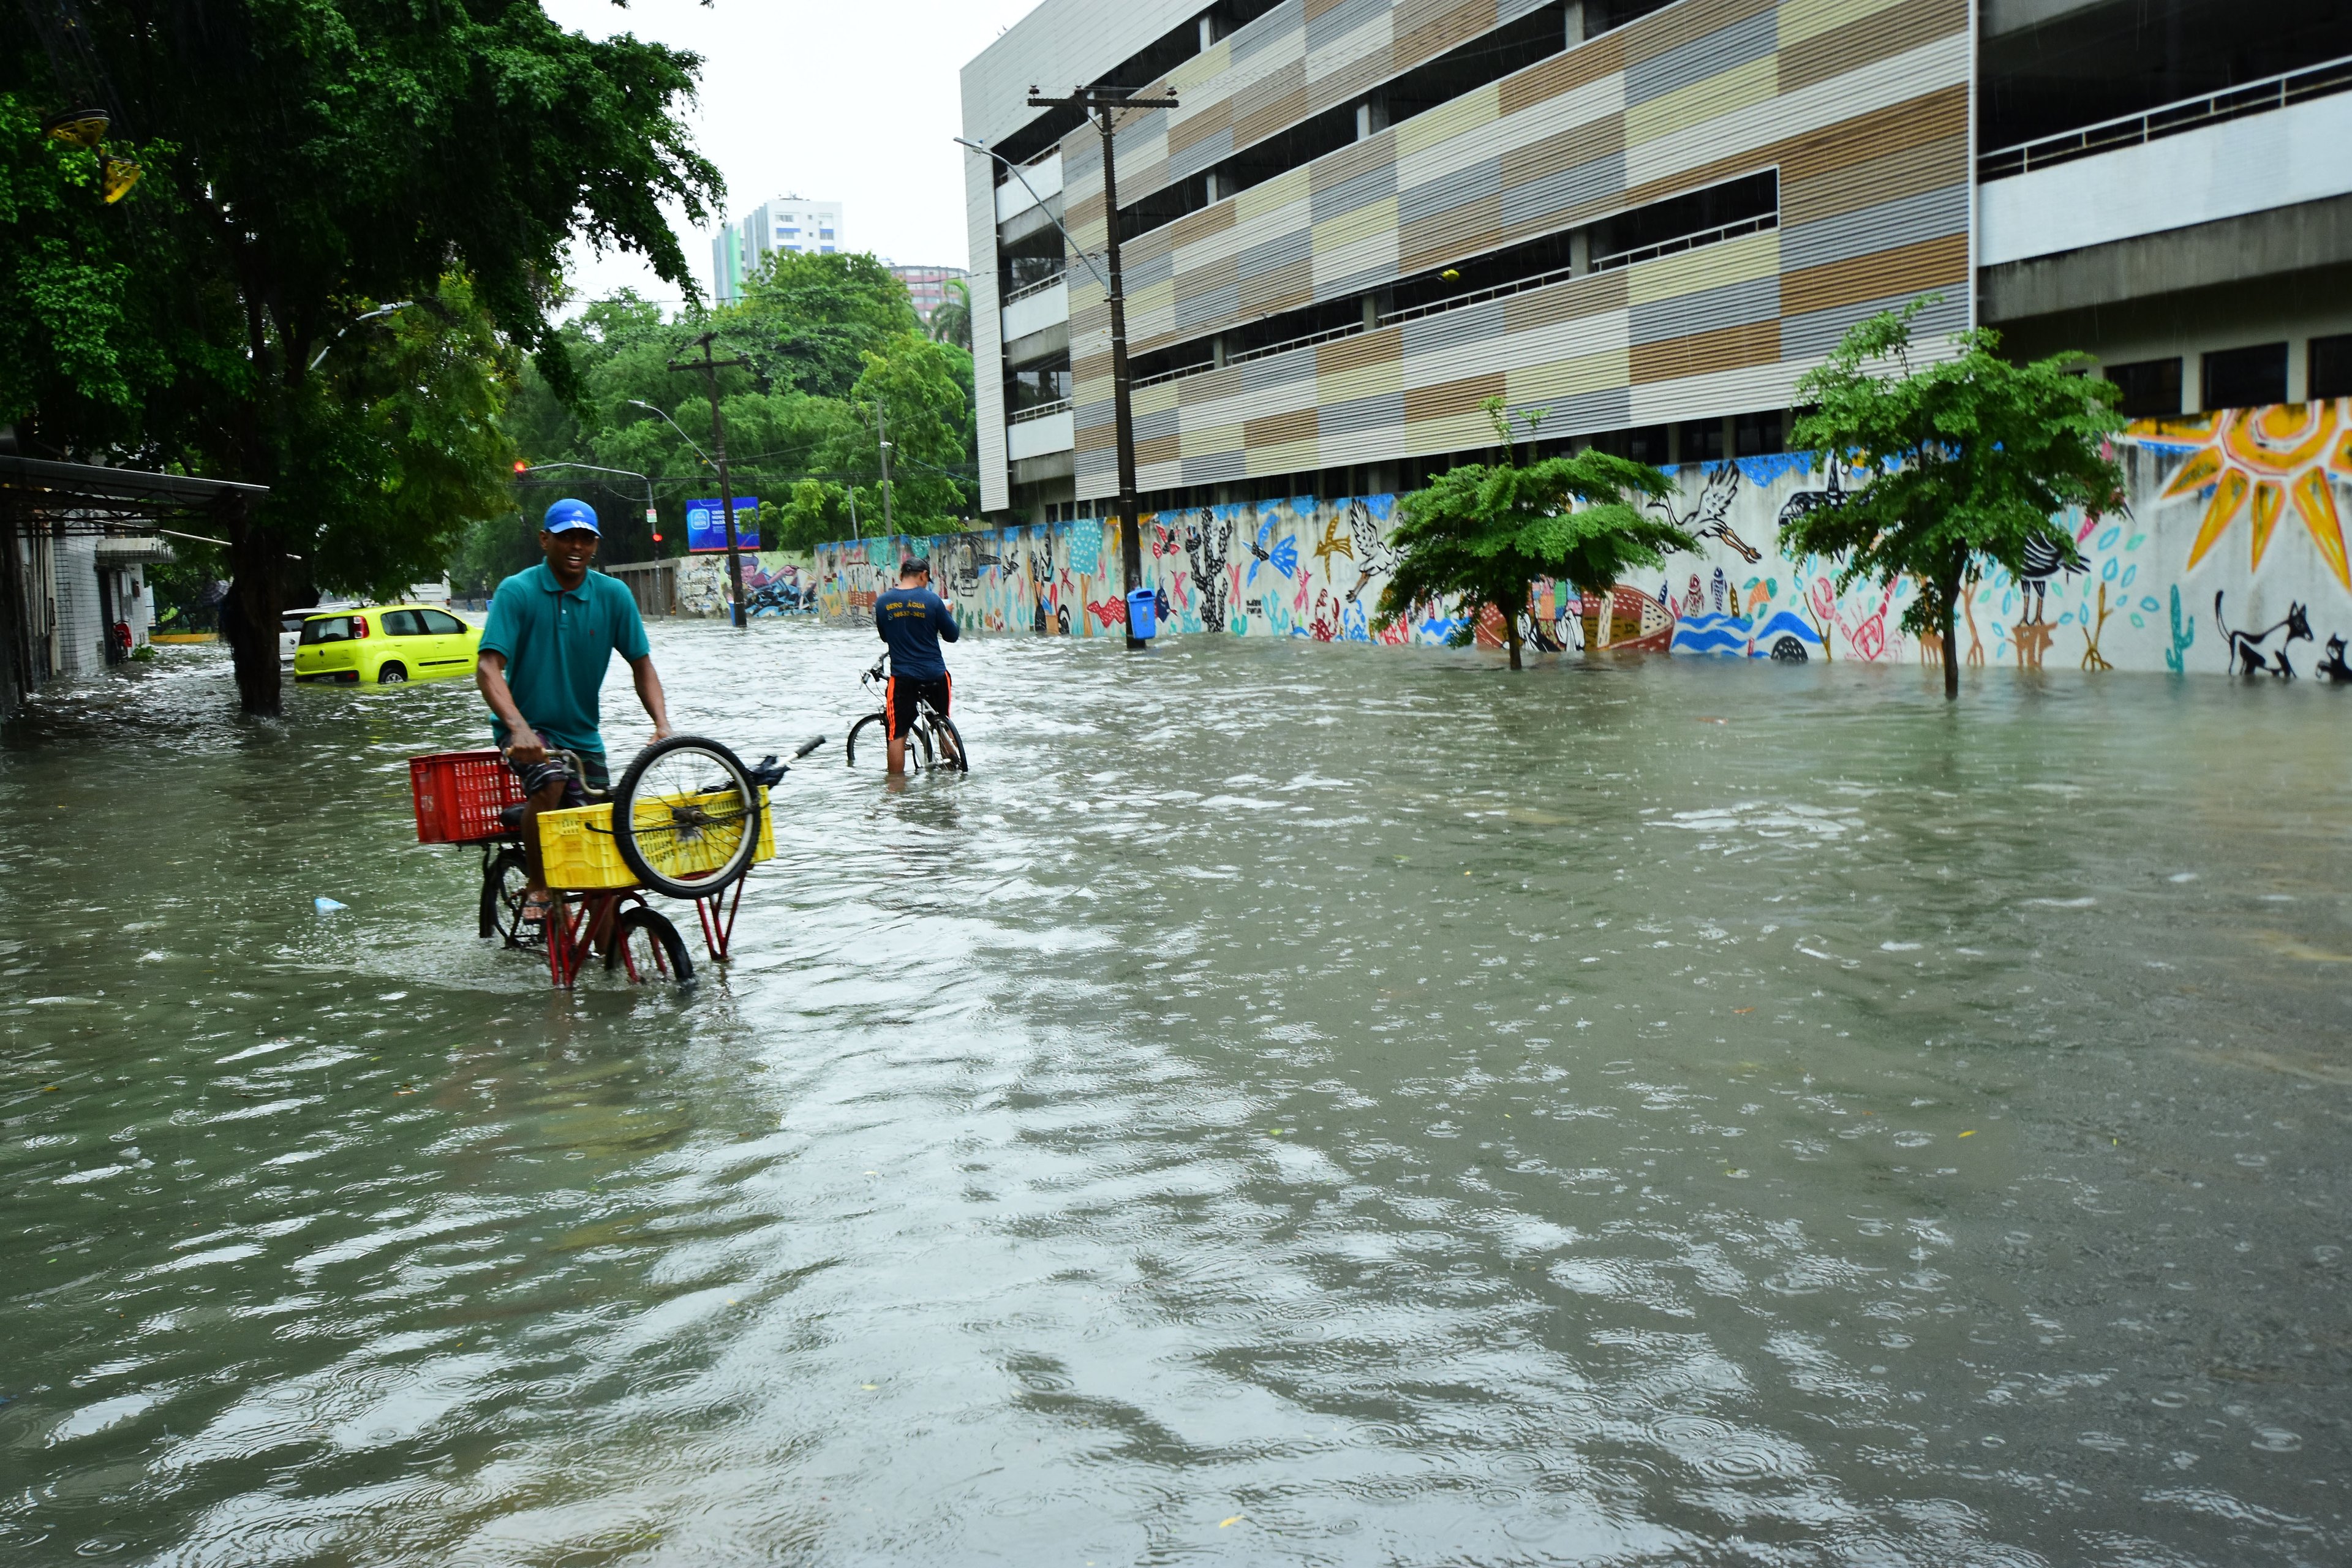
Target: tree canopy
{"x":783,"y":436}
{"x":1965,"y":457}
{"x":1486,"y":532}
{"x":307,"y":162}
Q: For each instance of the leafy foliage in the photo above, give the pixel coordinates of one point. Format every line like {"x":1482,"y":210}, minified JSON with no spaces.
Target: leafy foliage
{"x":951,"y":318}
{"x":780,"y":433}
{"x":306,"y":161}
{"x":1486,"y":532}
{"x":917,"y":385}
{"x":1967,"y":460}
{"x":808,"y":321}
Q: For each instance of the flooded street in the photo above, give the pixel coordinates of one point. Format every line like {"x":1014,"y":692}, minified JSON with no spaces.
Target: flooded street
{"x":1290,"y":1103}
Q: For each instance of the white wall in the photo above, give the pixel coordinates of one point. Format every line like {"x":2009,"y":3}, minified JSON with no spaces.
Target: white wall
{"x":2301,"y":154}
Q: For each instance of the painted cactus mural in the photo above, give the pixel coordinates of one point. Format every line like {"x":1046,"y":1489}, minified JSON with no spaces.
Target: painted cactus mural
{"x":2237,"y":515}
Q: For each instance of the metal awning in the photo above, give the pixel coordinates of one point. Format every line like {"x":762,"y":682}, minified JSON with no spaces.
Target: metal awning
{"x":90,"y":498}
{"x":136,"y":549}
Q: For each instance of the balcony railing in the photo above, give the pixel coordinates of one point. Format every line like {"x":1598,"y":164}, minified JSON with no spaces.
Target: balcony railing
{"x":1041,"y":411}
{"x":2169,"y":120}
{"x":1039,"y":287}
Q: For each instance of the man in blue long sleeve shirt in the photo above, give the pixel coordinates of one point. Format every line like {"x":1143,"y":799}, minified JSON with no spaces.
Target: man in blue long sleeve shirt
{"x":913,"y":620}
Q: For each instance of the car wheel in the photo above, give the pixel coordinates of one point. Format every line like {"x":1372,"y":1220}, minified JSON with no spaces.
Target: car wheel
{"x":391,"y":675}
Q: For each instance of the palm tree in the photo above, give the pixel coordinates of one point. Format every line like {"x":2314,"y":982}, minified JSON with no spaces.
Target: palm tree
{"x":951,"y":320}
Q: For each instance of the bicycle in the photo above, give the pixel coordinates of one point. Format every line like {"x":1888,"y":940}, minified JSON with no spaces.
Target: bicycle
{"x":933,"y":736}
{"x":688,"y":820}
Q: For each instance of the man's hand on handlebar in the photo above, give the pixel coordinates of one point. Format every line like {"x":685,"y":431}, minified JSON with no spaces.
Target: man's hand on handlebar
{"x":524,"y":746}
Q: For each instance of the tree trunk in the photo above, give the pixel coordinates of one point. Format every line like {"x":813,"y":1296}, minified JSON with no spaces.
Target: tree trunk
{"x":1511,"y":630}
{"x":1951,"y":590}
{"x":250,"y":615}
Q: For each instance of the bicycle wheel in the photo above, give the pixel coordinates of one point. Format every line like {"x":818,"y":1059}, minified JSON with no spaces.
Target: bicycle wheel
{"x":685,"y":818}
{"x":950,"y":743}
{"x":849,"y":748}
{"x":918,"y":742}
{"x":648,"y":948}
{"x":503,"y":881}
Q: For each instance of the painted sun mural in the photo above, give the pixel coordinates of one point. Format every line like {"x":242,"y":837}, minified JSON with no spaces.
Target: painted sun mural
{"x":2257,"y":462}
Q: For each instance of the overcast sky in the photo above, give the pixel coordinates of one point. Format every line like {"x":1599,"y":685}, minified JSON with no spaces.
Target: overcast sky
{"x":846,"y":101}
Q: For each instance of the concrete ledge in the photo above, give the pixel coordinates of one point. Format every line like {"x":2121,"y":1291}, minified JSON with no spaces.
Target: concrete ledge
{"x":2228,"y":250}
{"x":1051,"y":465}
{"x":1042,"y":344}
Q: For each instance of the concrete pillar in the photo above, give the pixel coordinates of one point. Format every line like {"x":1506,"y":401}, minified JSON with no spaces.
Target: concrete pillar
{"x":1580,"y":252}
{"x":1573,"y":34}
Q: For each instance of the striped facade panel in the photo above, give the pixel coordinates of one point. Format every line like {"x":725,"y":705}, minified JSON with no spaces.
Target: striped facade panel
{"x":1861,"y":105}
{"x":1438,"y":198}
{"x":1815,"y":333}
{"x":1877,"y":227}
{"x":1212,"y":149}
{"x":1146,"y":273}
{"x":1213,"y":305}
{"x":1359,"y":191}
{"x":1156,"y":422}
{"x":1544,"y":200}
{"x":1327,"y":24}
{"x":1740,"y":42}
{"x":1376,"y":412}
{"x":1729,"y":305}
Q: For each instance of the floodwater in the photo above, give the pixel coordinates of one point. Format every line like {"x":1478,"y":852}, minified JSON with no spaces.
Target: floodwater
{"x":1290,"y":1104}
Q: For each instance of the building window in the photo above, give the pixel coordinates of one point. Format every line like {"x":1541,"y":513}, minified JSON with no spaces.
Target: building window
{"x":825,"y":233}
{"x":2151,"y":388}
{"x":2330,"y":368}
{"x":2245,"y":378}
{"x":1754,"y":435}
{"x":1702,"y":441}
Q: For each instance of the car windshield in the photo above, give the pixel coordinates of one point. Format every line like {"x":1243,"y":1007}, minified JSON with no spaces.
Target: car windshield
{"x":328,"y":629}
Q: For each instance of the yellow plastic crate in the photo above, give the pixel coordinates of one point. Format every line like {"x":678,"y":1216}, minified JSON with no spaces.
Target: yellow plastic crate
{"x":581,"y":855}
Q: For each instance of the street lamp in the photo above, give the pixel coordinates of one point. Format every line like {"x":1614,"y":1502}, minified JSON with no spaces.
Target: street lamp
{"x":320,"y":358}
{"x":1014,"y":169}
{"x":640,"y":403}
{"x":653,"y":518}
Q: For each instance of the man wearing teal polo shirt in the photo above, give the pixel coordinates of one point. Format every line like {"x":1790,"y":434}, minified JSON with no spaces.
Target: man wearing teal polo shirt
{"x":552,"y":632}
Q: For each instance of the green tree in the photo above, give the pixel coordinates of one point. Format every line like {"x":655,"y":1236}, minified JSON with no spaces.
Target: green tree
{"x":812,"y":515}
{"x":913,"y":393}
{"x":1485,"y":532}
{"x":807,"y":321}
{"x":951,"y":318}
{"x":1965,"y":459}
{"x":306,"y":161}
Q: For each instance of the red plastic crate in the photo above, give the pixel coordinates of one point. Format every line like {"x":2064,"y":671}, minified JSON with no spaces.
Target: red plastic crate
{"x":459,"y":796}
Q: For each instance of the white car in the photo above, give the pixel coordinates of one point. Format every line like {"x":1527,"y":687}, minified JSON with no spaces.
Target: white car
{"x":290,"y":624}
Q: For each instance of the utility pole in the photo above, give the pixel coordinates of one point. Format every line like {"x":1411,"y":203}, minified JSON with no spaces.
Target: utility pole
{"x":710,"y":368}
{"x":1101,"y":105}
{"x":882,"y":445}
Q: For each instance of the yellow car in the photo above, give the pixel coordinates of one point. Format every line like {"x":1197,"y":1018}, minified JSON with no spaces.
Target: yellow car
{"x":385,"y":645}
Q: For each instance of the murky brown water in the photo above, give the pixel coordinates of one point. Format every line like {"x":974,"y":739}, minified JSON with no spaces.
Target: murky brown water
{"x":1290,"y":1104}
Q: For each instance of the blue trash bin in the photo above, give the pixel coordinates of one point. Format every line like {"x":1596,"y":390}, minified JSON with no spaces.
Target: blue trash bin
{"x":1143,"y":612}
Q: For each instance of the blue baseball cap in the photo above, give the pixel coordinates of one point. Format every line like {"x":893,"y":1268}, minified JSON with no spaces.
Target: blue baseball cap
{"x":568,"y":513}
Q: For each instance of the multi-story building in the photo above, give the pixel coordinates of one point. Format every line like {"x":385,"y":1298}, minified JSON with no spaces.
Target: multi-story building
{"x":791,"y":224}
{"x":927,"y":285}
{"x":1369,"y":217}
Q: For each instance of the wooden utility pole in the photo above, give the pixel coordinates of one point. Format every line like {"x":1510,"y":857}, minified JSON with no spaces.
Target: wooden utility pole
{"x":709,"y":368}
{"x":1101,"y":105}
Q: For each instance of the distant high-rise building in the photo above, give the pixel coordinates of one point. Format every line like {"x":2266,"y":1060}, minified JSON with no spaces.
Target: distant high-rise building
{"x":927,"y":285}
{"x":788,"y":223}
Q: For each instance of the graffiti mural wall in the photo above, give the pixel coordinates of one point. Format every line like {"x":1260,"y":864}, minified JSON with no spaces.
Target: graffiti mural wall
{"x":774,"y":584}
{"x":2228,"y":557}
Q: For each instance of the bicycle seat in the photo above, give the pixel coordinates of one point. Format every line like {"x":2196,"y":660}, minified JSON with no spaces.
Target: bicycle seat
{"x":510,"y":818}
